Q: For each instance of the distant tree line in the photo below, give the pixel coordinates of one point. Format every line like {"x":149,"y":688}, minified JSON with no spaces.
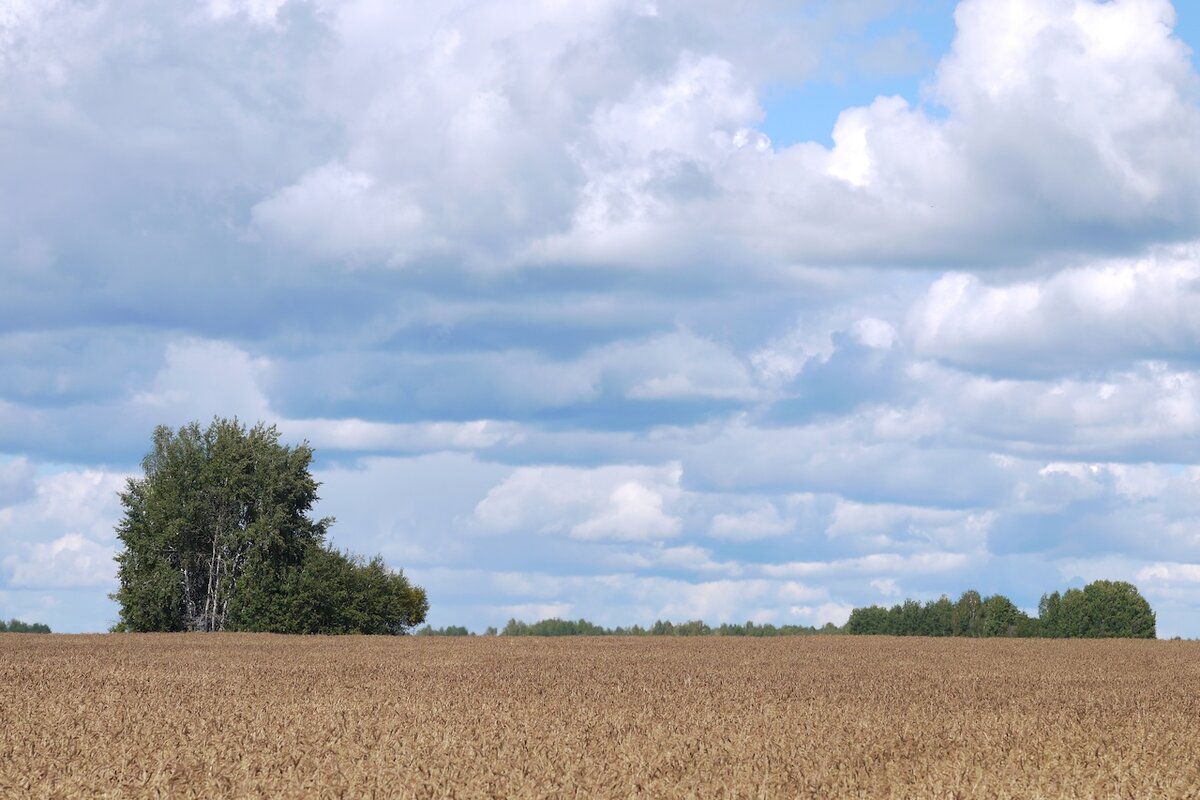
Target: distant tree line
{"x":1102,"y":609}
{"x":16,"y":626}
{"x":449,"y":630}
{"x":217,"y":537}
{"x":581,"y":627}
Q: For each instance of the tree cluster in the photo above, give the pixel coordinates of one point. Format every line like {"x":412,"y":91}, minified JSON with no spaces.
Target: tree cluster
{"x":1100,"y":609}
{"x":695,"y":627}
{"x":16,"y":626}
{"x":217,"y":537}
{"x":449,"y":630}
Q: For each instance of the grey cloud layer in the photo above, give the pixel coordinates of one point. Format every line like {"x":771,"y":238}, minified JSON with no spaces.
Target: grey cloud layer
{"x":570,"y":333}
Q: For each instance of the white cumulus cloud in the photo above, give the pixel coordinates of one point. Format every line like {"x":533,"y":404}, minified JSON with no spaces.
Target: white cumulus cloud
{"x":613,"y":502}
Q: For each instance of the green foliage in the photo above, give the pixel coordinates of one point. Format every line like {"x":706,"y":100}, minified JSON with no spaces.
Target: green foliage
{"x":999,"y":617}
{"x":767,"y":629}
{"x":217,"y":536}
{"x":1100,"y":609}
{"x":330,"y":592}
{"x":559,"y":627}
{"x":1103,"y":608}
{"x":869,"y":620}
{"x":449,"y":630}
{"x":939,"y":618}
{"x":553,"y":627}
{"x":968,"y":616}
{"x":1050,"y":615}
{"x":17,"y":626}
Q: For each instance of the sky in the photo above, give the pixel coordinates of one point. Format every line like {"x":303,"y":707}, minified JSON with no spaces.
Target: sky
{"x":618,"y":309}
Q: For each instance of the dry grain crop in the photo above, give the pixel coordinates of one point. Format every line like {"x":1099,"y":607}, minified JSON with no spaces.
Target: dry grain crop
{"x":213,"y":715}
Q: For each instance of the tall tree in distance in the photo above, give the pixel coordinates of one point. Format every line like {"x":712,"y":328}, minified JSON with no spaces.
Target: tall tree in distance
{"x":213,"y":503}
{"x":968,"y":614}
{"x":218,"y":530}
{"x":1102,"y":609}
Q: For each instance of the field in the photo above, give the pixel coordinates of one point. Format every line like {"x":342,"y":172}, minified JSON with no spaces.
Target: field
{"x":244,"y":715}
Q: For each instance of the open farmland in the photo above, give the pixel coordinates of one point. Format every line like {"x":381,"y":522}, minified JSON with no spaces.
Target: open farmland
{"x":211,"y":715}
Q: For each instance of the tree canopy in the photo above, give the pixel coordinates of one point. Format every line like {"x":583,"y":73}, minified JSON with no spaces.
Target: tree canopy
{"x":17,"y":626}
{"x":217,"y":536}
{"x":695,"y":627}
{"x":1100,"y":609}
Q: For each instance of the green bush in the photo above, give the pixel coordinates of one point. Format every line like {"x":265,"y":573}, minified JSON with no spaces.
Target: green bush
{"x":17,"y":626}
{"x":1100,"y":609}
{"x":217,"y":536}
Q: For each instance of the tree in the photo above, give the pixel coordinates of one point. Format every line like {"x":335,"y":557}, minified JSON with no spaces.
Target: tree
{"x":330,"y":592}
{"x":1106,"y":609}
{"x":17,"y":626}
{"x":1100,"y":609}
{"x":870,"y":620}
{"x":999,"y":617}
{"x":697,"y":627}
{"x":1050,"y":616}
{"x":939,"y":617}
{"x":967,"y":617}
{"x":910,"y":618}
{"x":449,"y":630}
{"x":217,"y":536}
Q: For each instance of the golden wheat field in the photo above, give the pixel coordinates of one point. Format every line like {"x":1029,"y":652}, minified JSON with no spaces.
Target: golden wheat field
{"x":198,"y":715}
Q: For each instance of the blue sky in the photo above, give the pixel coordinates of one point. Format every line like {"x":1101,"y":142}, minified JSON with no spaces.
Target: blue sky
{"x":618,"y":309}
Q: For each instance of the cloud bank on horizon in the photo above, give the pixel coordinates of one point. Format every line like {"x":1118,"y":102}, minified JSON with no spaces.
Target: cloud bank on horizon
{"x":577,"y":328}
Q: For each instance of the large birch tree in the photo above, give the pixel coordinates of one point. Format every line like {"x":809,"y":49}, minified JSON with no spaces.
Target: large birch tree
{"x":218,"y":536}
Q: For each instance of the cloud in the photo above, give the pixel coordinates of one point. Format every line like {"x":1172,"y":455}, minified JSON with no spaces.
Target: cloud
{"x":1149,"y":411}
{"x":612,"y":502}
{"x":337,"y":213}
{"x":68,"y":561}
{"x":488,"y":137}
{"x":885,"y":525}
{"x":874,"y":564}
{"x":536,"y":611}
{"x":201,"y":379}
{"x":633,"y":511}
{"x":758,"y":523}
{"x":515,"y":271}
{"x":886,"y":587}
{"x":1095,"y":316}
{"x":835,"y":613}
{"x":719,"y":600}
{"x":1025,"y":158}
{"x":880,"y":453}
{"x":624,"y":599}
{"x":259,"y":11}
{"x":355,"y":434}
{"x":413,"y":510}
{"x":687,"y":558}
{"x":61,"y":535}
{"x":1164,"y":573}
{"x":16,"y":481}
{"x":80,"y":501}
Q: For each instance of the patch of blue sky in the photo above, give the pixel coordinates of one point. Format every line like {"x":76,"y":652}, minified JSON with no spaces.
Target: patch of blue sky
{"x":892,"y":55}
{"x":1187,"y":27}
